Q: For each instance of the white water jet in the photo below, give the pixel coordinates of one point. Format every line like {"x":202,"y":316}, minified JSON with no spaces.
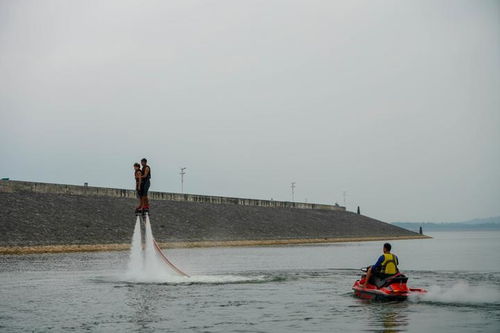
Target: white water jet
{"x":145,"y":263}
{"x":135,"y":264}
{"x":154,"y":266}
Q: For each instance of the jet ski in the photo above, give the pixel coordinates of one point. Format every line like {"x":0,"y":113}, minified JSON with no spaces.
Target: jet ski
{"x":392,"y":288}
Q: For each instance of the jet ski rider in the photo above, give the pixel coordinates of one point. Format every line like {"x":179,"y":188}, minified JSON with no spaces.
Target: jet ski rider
{"x":386,"y":265}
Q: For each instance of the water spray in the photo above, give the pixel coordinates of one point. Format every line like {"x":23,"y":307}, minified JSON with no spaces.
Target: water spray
{"x":147,"y":262}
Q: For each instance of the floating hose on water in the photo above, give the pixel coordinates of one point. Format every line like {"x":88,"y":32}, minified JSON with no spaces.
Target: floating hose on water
{"x":165,"y":259}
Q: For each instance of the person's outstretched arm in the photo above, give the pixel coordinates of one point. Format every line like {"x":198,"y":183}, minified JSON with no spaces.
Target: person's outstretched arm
{"x":369,"y":272}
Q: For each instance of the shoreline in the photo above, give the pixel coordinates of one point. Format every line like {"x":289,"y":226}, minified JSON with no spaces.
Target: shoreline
{"x":70,"y":248}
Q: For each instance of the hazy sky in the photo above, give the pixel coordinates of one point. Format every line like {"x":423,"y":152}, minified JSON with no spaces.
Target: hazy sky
{"x":395,"y":102}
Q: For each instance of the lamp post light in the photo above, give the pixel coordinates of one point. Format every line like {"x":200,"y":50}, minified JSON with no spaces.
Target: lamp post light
{"x":293,"y":191}
{"x":182,"y":173}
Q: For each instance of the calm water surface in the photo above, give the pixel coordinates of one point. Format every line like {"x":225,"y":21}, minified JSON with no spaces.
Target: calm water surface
{"x":267,"y":289}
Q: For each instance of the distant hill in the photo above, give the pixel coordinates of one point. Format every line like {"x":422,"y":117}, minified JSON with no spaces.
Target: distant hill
{"x":487,"y":220}
{"x":490,"y":223}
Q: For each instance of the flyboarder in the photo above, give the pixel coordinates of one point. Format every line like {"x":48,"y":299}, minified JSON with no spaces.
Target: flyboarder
{"x":145,"y":184}
{"x":138,"y":183}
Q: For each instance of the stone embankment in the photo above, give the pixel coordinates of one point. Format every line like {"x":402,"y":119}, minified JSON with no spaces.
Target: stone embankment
{"x":37,"y":217}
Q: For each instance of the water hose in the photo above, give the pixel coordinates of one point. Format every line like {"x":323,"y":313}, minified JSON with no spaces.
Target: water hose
{"x":168,"y":262}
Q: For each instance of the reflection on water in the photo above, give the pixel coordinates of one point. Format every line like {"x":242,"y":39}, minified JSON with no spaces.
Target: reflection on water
{"x":385,"y":316}
{"x":141,"y":300}
{"x":392,"y":317}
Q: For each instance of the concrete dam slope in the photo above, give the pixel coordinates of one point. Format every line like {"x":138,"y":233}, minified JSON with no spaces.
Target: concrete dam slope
{"x":68,"y":217}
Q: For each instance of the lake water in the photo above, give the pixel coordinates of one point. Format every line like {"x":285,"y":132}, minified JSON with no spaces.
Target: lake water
{"x":266,"y":289}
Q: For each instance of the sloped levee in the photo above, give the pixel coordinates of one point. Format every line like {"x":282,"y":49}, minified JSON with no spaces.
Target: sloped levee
{"x":29,"y":218}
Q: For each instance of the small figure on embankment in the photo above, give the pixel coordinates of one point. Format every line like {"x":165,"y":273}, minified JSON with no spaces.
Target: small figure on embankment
{"x":138,"y":184}
{"x":145,"y":184}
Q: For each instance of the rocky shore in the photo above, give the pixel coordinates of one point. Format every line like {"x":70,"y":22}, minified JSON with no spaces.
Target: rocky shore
{"x":54,"y":222}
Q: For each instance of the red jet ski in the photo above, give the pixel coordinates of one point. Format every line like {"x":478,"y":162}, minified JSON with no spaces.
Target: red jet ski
{"x":393,"y":288}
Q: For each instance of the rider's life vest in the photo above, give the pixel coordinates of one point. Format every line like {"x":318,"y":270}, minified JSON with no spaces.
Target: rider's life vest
{"x":390,"y":264}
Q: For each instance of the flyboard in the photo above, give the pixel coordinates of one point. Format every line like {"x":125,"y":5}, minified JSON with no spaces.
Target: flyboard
{"x":144,"y":216}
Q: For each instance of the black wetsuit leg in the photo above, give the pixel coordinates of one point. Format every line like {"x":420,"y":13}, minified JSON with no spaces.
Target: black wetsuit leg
{"x":145,"y":187}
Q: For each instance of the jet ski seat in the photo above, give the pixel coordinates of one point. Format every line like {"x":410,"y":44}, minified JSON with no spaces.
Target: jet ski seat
{"x":381,"y":282}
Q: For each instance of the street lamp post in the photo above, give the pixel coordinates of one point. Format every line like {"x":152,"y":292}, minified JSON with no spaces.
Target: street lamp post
{"x":182,"y":173}
{"x":293,"y":191}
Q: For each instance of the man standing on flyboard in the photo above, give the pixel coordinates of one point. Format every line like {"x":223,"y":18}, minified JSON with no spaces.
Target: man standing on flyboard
{"x":145,"y":184}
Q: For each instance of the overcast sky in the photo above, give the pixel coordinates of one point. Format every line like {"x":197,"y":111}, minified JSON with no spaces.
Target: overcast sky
{"x":395,"y":102}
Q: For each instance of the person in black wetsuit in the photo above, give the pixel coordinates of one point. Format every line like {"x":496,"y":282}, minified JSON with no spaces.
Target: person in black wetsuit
{"x":145,"y":184}
{"x":138,"y":184}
